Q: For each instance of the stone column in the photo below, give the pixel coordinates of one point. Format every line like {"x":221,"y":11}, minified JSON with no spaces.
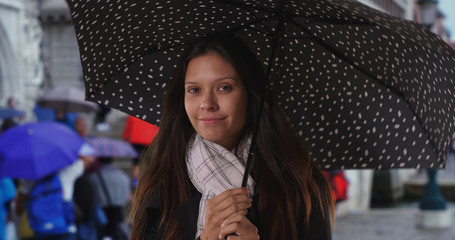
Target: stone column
{"x":30,"y":55}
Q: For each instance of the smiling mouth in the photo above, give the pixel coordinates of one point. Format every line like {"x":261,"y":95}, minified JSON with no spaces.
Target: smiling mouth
{"x":210,"y":121}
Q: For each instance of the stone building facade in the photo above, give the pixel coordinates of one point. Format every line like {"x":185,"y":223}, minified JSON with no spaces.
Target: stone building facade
{"x":62,"y":65}
{"x":21,"y":68}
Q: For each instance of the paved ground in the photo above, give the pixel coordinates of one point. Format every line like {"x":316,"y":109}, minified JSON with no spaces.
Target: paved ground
{"x":388,"y":224}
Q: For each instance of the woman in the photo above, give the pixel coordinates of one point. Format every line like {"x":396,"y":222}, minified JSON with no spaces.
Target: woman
{"x":210,"y":110}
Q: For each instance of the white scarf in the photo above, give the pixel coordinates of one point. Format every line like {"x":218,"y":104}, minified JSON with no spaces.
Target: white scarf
{"x":213,"y":170}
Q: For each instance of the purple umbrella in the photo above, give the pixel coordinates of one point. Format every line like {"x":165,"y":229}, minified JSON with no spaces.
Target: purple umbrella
{"x":34,"y":150}
{"x":110,"y":147}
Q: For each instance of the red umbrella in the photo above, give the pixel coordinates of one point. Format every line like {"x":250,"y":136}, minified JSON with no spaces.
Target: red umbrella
{"x":140,"y":132}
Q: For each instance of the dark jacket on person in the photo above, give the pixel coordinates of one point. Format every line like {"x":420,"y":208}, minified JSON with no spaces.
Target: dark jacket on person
{"x":319,"y":227}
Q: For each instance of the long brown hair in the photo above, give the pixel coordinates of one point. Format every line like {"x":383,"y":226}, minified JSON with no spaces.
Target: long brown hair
{"x":286,"y":177}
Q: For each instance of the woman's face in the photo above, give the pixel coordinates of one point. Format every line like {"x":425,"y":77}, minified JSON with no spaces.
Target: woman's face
{"x":215,"y":99}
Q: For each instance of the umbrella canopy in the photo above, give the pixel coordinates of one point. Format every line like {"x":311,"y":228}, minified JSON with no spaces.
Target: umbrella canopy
{"x":10,"y":113}
{"x":66,"y":99}
{"x":110,"y":147}
{"x":137,"y":131}
{"x":363,"y":89}
{"x":34,"y":150}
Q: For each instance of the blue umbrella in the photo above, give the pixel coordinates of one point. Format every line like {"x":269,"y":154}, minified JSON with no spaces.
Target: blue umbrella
{"x":9,"y":113}
{"x":34,"y":150}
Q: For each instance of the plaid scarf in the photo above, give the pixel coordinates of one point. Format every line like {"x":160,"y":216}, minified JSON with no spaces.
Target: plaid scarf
{"x":214,"y":169}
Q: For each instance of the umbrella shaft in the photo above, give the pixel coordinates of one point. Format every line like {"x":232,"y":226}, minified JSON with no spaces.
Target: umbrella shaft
{"x":261,"y":106}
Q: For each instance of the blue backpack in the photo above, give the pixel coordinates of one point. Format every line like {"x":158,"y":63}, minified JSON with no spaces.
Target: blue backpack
{"x":48,"y":213}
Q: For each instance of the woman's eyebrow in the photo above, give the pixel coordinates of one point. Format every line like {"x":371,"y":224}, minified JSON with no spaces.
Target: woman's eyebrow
{"x":218,"y":79}
{"x":186,"y":83}
{"x":225,"y":78}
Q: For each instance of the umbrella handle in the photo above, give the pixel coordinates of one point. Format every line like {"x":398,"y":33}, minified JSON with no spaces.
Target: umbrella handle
{"x":249,"y":159}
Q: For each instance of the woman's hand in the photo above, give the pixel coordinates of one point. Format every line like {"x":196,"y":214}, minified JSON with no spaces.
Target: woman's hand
{"x":230,"y":203}
{"x":241,"y":226}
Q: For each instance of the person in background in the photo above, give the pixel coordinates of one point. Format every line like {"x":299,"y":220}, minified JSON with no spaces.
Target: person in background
{"x":80,"y":126}
{"x":10,"y":122}
{"x":7,"y":124}
{"x":24,"y":230}
{"x":100,"y":119}
{"x":112,"y":193}
{"x":89,"y":216}
{"x":12,"y":103}
{"x":67,"y":118}
{"x":67,"y":177}
{"x":7,"y":194}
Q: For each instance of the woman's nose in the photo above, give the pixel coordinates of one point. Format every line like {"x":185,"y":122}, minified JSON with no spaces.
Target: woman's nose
{"x":208,"y":102}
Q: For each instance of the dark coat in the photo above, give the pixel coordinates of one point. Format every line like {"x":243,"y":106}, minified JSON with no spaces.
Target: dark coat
{"x":187,"y":214}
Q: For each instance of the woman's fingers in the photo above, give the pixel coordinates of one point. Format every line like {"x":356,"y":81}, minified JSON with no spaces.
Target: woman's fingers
{"x":231,"y":202}
{"x":226,"y":196}
{"x":228,"y":203}
{"x":235,"y":204}
{"x":241,"y":226}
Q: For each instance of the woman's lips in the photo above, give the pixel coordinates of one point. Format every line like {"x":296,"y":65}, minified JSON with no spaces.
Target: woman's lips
{"x":210,"y":121}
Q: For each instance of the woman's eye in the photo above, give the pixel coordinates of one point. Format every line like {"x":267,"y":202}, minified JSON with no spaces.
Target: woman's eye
{"x":225,"y":88}
{"x":193,"y":90}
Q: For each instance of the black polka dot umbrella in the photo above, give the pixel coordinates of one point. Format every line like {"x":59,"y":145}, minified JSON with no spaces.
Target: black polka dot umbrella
{"x":364,"y":89}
